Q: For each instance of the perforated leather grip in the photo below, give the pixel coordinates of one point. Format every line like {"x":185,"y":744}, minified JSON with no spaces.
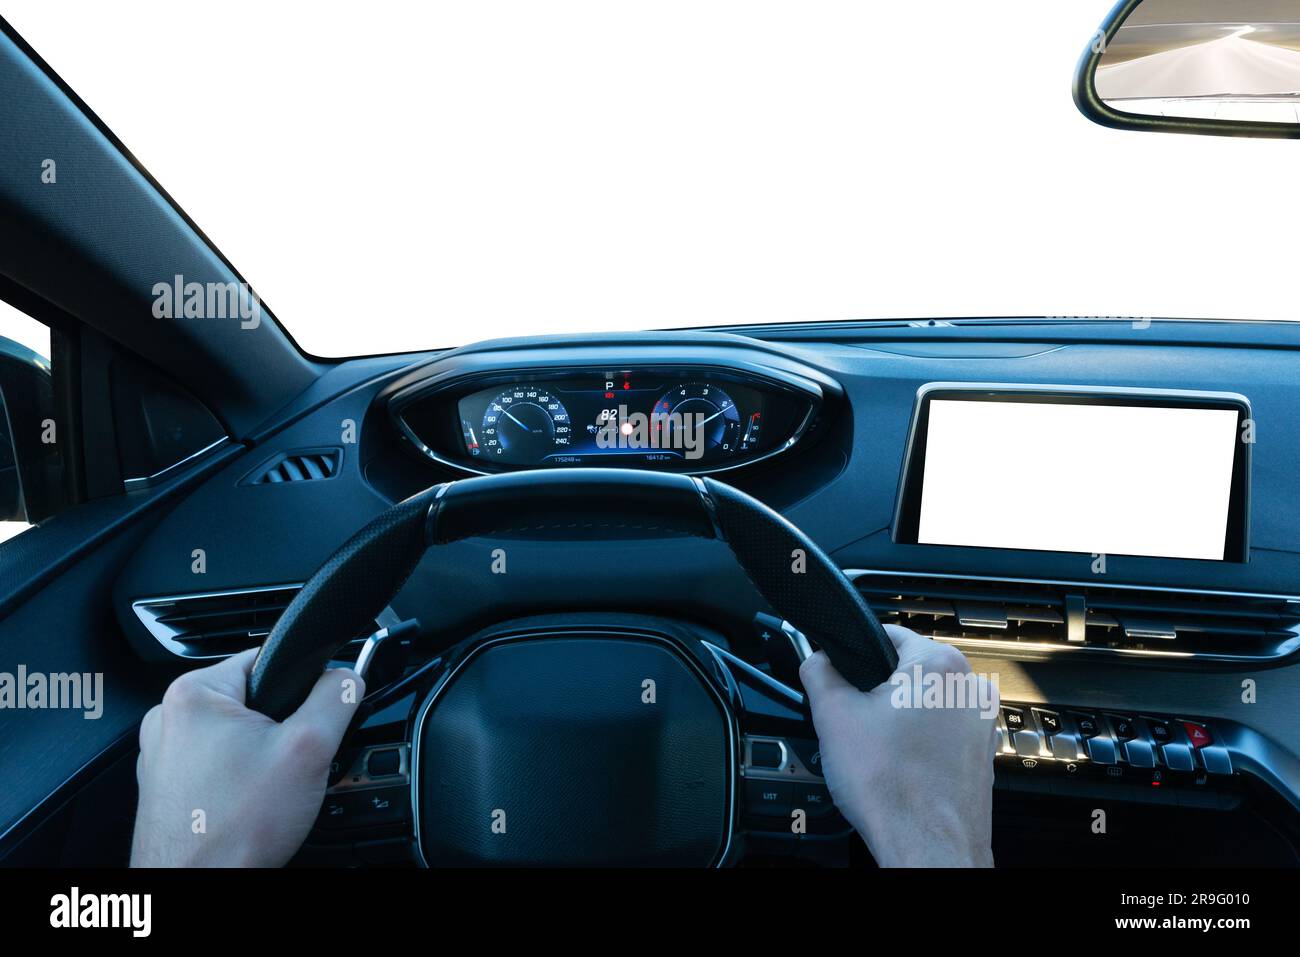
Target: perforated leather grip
{"x":804,"y":586}
{"x":338,"y":603}
{"x":787,"y":568}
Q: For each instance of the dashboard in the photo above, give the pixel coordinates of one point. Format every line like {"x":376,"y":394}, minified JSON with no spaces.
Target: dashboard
{"x":692,"y":419}
{"x":833,"y":434}
{"x":831,"y":451}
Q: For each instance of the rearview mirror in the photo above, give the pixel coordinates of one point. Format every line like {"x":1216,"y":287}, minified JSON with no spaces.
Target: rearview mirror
{"x":1220,"y":67}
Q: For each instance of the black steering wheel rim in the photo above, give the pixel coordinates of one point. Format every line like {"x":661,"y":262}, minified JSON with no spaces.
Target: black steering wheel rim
{"x":355,"y":584}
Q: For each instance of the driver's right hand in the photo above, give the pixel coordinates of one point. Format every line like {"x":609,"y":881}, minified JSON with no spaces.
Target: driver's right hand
{"x":915,"y":782}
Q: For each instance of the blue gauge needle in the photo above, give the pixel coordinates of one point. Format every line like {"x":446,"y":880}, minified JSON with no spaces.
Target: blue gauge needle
{"x":515,"y":421}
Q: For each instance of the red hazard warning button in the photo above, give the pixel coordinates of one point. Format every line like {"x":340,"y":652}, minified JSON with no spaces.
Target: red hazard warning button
{"x":1198,"y":734}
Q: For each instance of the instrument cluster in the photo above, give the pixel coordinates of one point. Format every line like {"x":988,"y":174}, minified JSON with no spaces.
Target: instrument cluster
{"x":681,"y":419}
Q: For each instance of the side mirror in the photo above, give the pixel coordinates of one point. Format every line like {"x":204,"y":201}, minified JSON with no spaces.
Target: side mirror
{"x":12,"y":507}
{"x":1216,"y":67}
{"x":31,"y":465}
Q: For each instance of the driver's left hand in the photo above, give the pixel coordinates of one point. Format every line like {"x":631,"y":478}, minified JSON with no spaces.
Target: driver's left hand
{"x":224,"y":786}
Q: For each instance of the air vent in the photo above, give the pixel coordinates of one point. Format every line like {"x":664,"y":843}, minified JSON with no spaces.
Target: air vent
{"x":217,"y":624}
{"x":302,"y":466}
{"x":1037,"y":616}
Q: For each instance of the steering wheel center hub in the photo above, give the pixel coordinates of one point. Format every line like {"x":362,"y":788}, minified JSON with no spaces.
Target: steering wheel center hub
{"x":574,"y":749}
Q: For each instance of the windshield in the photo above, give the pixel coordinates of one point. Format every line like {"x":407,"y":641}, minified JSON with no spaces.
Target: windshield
{"x":392,"y":176}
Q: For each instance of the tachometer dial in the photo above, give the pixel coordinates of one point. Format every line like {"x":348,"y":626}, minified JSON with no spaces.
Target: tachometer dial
{"x":525,"y":424}
{"x":700,"y":419}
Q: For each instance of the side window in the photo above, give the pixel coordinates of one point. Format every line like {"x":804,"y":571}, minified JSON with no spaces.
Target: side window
{"x":31,"y":461}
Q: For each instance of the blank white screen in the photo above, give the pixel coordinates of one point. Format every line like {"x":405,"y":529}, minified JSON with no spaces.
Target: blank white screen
{"x":1123,"y":480}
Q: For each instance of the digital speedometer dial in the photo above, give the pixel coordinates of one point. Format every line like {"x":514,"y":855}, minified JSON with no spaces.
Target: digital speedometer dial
{"x":524,"y":424}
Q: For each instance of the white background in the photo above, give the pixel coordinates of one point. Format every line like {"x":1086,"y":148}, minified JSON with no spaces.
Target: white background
{"x":392,"y":176}
{"x":1008,"y":475}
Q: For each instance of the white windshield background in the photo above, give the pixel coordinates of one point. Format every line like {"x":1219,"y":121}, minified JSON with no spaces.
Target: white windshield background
{"x":399,"y":176}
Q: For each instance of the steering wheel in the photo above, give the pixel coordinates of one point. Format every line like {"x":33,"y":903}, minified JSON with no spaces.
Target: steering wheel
{"x":562,"y":745}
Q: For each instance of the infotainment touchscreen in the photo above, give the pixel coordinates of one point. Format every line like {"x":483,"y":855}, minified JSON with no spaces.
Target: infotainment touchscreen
{"x":1152,"y":474}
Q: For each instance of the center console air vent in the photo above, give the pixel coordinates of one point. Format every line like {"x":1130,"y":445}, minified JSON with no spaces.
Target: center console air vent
{"x":218,"y":624}
{"x":1012,"y":615}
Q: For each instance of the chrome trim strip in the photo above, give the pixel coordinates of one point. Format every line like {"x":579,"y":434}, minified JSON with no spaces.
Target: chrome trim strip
{"x":791,"y":768}
{"x":1283,"y":649}
{"x":729,"y":716}
{"x":975,"y":621}
{"x":749,"y":769}
{"x":1150,"y":631}
{"x":149,"y":481}
{"x":357,"y":777}
{"x":794,"y":698}
{"x":164,"y":636}
{"x":802,"y":648}
{"x":367,"y":652}
{"x":852,"y":573}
